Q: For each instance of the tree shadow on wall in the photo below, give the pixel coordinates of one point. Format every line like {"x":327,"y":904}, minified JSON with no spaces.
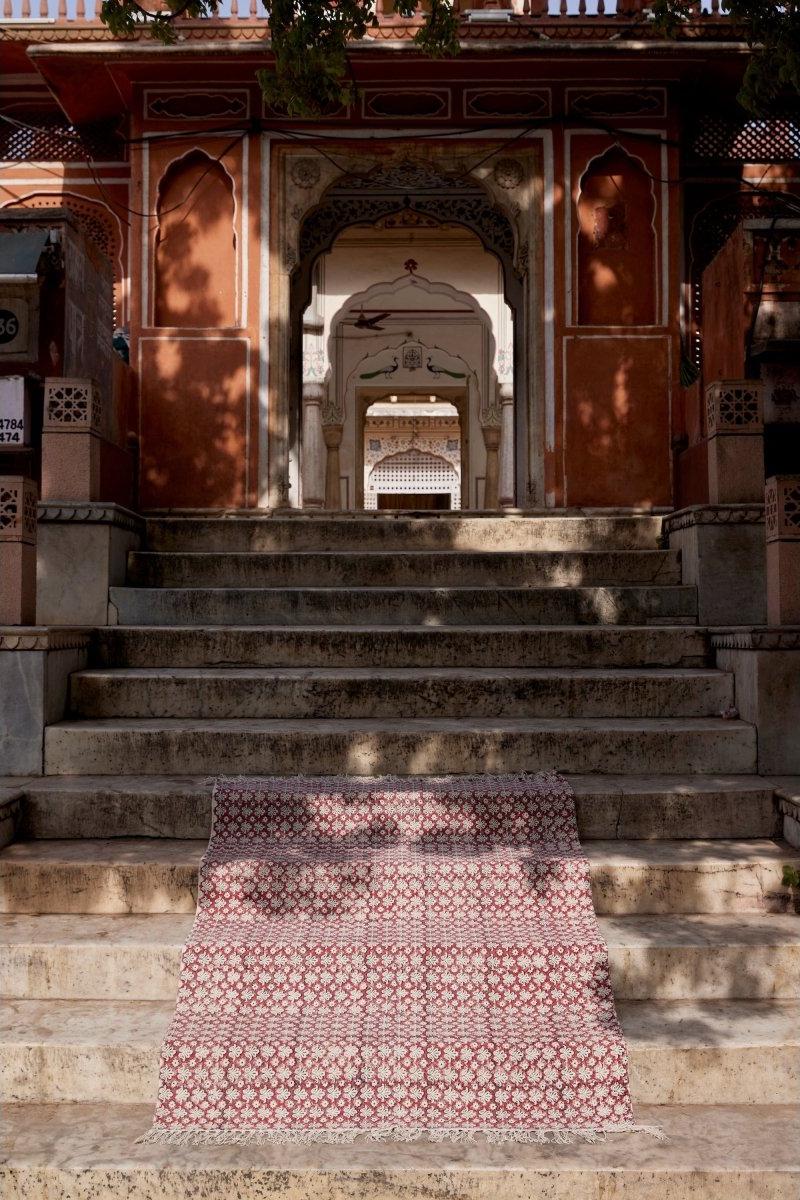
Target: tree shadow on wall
{"x":195,"y":364}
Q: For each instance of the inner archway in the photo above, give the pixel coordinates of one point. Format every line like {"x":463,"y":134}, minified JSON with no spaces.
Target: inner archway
{"x":413,"y":447}
{"x":432,"y":319}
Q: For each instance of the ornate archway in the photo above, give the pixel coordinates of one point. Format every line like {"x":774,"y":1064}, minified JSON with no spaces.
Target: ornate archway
{"x":500,"y":199}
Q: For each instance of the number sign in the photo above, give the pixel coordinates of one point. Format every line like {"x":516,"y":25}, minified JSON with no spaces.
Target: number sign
{"x":14,"y":411}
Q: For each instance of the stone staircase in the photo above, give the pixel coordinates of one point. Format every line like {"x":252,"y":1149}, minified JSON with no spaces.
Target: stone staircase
{"x":371,"y":645}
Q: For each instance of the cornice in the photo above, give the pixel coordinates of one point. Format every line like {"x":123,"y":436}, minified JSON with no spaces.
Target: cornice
{"x":764,"y":638}
{"x":713,"y":514}
{"x":539,"y":34}
{"x":53,"y":512}
{"x":40,"y":637}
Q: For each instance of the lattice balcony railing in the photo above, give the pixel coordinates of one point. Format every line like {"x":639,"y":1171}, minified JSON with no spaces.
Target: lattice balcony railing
{"x":86,"y":12}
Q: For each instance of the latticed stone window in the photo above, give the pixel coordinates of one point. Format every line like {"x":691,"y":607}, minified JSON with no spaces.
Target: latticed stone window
{"x":47,"y":137}
{"x":734,"y":406}
{"x":771,"y":139}
{"x":413,"y":471}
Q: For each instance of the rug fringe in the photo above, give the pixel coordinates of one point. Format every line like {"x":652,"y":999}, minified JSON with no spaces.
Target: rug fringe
{"x":306,"y":1137}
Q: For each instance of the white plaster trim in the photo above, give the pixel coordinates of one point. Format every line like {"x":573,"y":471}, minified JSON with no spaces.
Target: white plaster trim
{"x":263,"y":326}
{"x":65,"y":182}
{"x":209,"y":88}
{"x":549,"y":297}
{"x":244,"y":243}
{"x":145,"y":227}
{"x":607,"y":86}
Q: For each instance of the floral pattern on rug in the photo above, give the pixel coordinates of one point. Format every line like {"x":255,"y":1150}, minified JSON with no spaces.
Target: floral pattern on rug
{"x":393,"y":958}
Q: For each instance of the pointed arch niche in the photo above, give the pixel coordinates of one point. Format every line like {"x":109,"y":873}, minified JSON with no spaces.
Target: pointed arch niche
{"x":195,"y":246}
{"x":617,"y":264}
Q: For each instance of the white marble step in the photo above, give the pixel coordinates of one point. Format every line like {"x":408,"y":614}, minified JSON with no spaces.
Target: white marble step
{"x":313,"y":693}
{"x":304,"y":531}
{"x":159,"y":875}
{"x":714,"y":1052}
{"x":136,"y":957}
{"x":403,"y":568}
{"x":439,"y":645}
{"x":607,"y":806}
{"x":89,"y":1152}
{"x":680,"y":745}
{"x":632,"y":604}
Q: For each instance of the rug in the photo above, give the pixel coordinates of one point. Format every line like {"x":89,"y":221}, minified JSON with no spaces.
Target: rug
{"x":394,"y":958}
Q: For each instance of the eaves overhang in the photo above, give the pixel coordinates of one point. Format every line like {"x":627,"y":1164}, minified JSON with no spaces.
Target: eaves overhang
{"x":94,"y":80}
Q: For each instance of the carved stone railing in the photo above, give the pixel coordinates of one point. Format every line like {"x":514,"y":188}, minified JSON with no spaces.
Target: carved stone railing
{"x":602,"y":17}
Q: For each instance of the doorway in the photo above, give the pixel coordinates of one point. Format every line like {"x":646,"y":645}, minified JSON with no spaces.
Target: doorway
{"x":413,"y":450}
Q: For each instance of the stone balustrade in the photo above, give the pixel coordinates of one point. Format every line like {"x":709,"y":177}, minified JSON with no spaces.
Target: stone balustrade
{"x":17,"y":550}
{"x":568,"y":12}
{"x":782,"y":522}
{"x":735,"y":424}
{"x":71,"y":432}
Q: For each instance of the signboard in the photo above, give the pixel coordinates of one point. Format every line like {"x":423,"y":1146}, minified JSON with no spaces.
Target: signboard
{"x":15,"y":326}
{"x":15,"y":412}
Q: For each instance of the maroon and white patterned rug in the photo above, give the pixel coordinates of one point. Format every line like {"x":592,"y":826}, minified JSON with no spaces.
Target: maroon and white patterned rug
{"x":395,"y":958}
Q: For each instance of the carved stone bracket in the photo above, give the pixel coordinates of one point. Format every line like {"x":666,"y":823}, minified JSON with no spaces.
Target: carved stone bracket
{"x":782,"y":508}
{"x":72,"y":406}
{"x":17,"y":509}
{"x":17,"y":550}
{"x":735,"y":406}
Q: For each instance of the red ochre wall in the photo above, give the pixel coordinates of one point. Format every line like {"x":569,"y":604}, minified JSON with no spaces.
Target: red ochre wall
{"x":195,"y":322}
{"x":189,"y":279}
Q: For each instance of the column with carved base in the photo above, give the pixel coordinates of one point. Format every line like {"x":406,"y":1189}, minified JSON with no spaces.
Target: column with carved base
{"x":333,"y":440}
{"x":506,"y":488}
{"x":782,"y":520}
{"x":313,"y":446}
{"x":17,"y":550}
{"x":734,"y":409}
{"x":491,"y":491}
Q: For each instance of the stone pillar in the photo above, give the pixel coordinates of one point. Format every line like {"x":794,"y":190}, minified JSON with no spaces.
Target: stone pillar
{"x":82,"y":553}
{"x":71,"y":440}
{"x":735,"y":441}
{"x":35,"y":666}
{"x":491,"y":440}
{"x":782,"y":520}
{"x":506,"y":488}
{"x":333,"y":492}
{"x":722,"y":555}
{"x":766,"y":666}
{"x":17,"y":550}
{"x":313,"y":446}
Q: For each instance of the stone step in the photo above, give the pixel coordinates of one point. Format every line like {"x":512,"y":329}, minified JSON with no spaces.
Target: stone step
{"x":404,"y":646}
{"x":159,"y":875}
{"x":355,"y":532}
{"x":634,"y":605}
{"x":66,"y":957}
{"x":402,"y":568}
{"x":731,"y":1051}
{"x":607,"y":806}
{"x":364,"y":692}
{"x":436,"y":746}
{"x":89,"y":1152}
